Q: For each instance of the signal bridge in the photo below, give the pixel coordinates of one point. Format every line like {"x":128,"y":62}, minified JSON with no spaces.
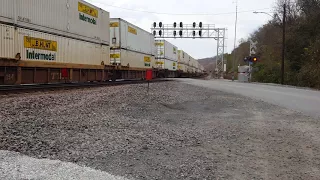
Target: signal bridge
{"x":195,"y":31}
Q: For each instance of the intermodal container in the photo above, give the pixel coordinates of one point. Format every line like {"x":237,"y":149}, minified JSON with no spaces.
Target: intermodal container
{"x":171,"y":65}
{"x":182,"y":67}
{"x":197,"y":64}
{"x":127,"y":36}
{"x":70,"y":18}
{"x":183,"y":57}
{"x":132,"y":59}
{"x":193,"y":65}
{"x":166,"y":64}
{"x":160,"y":63}
{"x":33,"y":45}
{"x":166,"y":50}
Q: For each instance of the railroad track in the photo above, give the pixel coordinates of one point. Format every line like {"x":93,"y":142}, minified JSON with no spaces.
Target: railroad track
{"x":15,"y":89}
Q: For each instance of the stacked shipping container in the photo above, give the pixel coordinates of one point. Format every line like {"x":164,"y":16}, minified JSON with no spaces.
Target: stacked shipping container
{"x":186,"y":63}
{"x":167,"y":55}
{"x":76,"y":32}
{"x":131,"y":45}
{"x":73,"y":18}
{"x":183,"y":61}
{"x":57,"y":31}
{"x":38,"y":46}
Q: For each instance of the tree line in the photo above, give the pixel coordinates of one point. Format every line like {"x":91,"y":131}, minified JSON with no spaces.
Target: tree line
{"x":302,"y":50}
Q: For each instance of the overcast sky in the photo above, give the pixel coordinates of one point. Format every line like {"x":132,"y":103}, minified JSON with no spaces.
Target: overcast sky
{"x":247,"y":21}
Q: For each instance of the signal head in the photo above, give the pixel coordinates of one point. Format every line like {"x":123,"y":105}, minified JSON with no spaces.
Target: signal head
{"x":254,"y":59}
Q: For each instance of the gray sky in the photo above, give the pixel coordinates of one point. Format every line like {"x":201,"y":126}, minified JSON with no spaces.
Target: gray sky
{"x":247,"y":21}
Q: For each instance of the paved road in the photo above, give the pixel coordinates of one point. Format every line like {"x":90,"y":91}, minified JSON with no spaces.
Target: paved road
{"x":302,"y":100}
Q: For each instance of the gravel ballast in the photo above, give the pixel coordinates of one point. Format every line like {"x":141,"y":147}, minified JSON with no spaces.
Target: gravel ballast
{"x":176,"y":131}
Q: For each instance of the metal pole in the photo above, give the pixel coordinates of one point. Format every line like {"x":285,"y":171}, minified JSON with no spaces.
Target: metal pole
{"x":235,"y":39}
{"x":223,"y":39}
{"x":250,"y":73}
{"x":283,"y":43}
{"x":217,"y":57}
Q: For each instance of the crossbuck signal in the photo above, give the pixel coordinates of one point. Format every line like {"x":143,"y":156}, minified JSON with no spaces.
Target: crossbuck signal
{"x":194,"y":31}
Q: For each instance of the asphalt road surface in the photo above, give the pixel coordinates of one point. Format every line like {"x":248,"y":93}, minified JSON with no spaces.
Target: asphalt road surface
{"x":303,"y":100}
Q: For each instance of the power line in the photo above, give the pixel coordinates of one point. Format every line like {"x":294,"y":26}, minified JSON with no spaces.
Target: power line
{"x":173,"y":14}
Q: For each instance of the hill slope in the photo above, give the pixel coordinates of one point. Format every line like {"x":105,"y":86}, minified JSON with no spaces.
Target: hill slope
{"x":209,"y":64}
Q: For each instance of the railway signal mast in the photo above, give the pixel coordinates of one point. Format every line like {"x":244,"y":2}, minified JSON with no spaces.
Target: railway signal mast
{"x":195,"y":31}
{"x":252,"y":58}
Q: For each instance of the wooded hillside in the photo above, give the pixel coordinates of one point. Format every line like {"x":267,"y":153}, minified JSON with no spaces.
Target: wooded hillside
{"x":302,"y":51}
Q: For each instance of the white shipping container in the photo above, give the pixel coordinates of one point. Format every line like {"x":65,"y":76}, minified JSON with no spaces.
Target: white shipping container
{"x":71,"y":18}
{"x":182,"y":67}
{"x":166,"y":50}
{"x":180,"y":57}
{"x":124,"y":35}
{"x":171,"y":65}
{"x":6,"y":11}
{"x":186,"y":68}
{"x":167,"y":64}
{"x":193,"y":62}
{"x":184,"y":58}
{"x":197,"y":64}
{"x":132,"y":59}
{"x":189,"y":69}
{"x":160,"y":63}
{"x":38,"y":46}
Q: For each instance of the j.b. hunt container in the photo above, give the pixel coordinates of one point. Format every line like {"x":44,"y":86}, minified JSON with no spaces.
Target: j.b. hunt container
{"x":132,"y":59}
{"x":167,"y":55}
{"x":166,"y":64}
{"x":32,"y":45}
{"x":187,"y":63}
{"x":131,"y":45}
{"x":70,"y":18}
{"x":182,"y":67}
{"x":183,"y":57}
{"x":193,"y":65}
{"x":127,"y":36}
{"x":166,"y":50}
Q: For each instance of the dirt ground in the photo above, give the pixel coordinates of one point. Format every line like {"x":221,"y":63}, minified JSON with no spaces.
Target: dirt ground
{"x":177,"y":131}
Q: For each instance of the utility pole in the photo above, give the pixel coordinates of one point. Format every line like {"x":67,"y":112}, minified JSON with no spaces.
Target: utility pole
{"x":235,"y":42}
{"x":283,"y":43}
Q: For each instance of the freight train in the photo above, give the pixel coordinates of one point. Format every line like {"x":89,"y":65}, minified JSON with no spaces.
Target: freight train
{"x":45,"y":41}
